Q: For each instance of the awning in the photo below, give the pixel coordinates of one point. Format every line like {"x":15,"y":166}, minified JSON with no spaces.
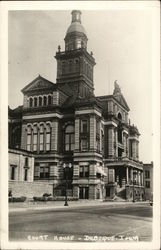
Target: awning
{"x":100,"y":171}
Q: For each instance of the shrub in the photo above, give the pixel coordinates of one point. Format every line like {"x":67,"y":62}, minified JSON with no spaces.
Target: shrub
{"x":55,"y":198}
{"x":46,"y":195}
{"x":17,"y":199}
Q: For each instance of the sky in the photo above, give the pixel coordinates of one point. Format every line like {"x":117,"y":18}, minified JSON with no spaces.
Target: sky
{"x":122,"y":45}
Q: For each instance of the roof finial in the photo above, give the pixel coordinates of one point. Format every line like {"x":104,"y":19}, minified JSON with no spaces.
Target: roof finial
{"x":76,"y":16}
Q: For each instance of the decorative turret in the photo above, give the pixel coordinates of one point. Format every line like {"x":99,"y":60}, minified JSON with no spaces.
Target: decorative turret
{"x":76,"y":35}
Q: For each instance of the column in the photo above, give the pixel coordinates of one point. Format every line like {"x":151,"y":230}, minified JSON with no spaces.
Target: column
{"x":139,"y":179}
{"x":111,"y":175}
{"x":23,"y":137}
{"x":110,"y":142}
{"x":127,"y":175}
{"x":92,"y":192}
{"x":77,"y":133}
{"x":54,"y":135}
{"x":142,"y":180}
{"x":53,"y":171}
{"x":92,"y":132}
{"x":75,"y":171}
{"x":132,"y":175}
{"x":76,"y":191}
{"x":92,"y":170}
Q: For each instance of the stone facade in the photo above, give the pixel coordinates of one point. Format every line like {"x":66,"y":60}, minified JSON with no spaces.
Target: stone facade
{"x":74,"y":135}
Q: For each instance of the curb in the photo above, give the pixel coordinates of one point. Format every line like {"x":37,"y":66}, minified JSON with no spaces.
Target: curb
{"x":83,"y":204}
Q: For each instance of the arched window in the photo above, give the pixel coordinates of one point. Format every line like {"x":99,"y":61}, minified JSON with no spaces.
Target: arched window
{"x":28,"y":146}
{"x":35,"y":101}
{"x":69,"y":138}
{"x":78,"y":44}
{"x":45,"y":100}
{"x":41,"y":137}
{"x":30,"y":102}
{"x":40,"y":101}
{"x":119,"y":116}
{"x":49,"y":100}
{"x":119,"y":134}
{"x":35,"y":138}
{"x":48,"y":137}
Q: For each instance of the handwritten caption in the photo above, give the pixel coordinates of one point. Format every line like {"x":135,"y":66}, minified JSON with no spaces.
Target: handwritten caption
{"x":86,"y":238}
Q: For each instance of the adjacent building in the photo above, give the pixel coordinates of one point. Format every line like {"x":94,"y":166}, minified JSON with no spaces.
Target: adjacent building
{"x":148,"y":180}
{"x":76,"y":135}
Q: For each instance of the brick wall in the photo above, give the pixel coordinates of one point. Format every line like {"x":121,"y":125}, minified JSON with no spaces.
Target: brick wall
{"x":29,"y":189}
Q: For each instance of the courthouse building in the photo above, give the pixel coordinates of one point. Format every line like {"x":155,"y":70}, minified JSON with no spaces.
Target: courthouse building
{"x":70,"y":130}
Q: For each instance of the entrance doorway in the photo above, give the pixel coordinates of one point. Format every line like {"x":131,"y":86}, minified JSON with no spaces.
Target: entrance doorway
{"x":107,"y":191}
{"x":83,"y":192}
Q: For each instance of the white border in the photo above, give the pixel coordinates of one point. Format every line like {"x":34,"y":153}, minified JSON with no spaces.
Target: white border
{"x":68,"y":5}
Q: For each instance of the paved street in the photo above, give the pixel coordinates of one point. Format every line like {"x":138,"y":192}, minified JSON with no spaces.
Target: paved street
{"x":106,"y":222}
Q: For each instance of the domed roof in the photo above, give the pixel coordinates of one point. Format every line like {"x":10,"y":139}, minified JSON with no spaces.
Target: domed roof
{"x":76,"y":27}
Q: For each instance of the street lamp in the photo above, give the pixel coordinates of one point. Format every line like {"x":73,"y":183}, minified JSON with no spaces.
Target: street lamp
{"x":66,"y":167}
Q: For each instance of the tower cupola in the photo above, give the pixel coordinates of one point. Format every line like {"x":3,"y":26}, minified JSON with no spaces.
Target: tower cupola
{"x":76,"y":37}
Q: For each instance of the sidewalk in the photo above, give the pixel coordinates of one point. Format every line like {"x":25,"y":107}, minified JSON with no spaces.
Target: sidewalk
{"x":30,"y":205}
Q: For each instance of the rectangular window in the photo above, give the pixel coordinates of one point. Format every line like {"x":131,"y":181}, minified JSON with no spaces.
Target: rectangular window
{"x":12,"y":172}
{"x":25,"y":174}
{"x":67,"y":142}
{"x":84,"y":126}
{"x":81,"y":171}
{"x":72,"y":141}
{"x":48,"y":142}
{"x":84,"y":171}
{"x":147,"y":174}
{"x":35,"y":142}
{"x":26,"y":161}
{"x":44,"y":172}
{"x":41,"y":142}
{"x":147,"y":184}
{"x":84,"y":144}
{"x":29,"y":142}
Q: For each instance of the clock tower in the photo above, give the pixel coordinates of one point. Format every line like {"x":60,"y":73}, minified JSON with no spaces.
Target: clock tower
{"x":75,"y":65}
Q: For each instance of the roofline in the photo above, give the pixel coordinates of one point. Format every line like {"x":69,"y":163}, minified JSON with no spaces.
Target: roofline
{"x":39,"y":77}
